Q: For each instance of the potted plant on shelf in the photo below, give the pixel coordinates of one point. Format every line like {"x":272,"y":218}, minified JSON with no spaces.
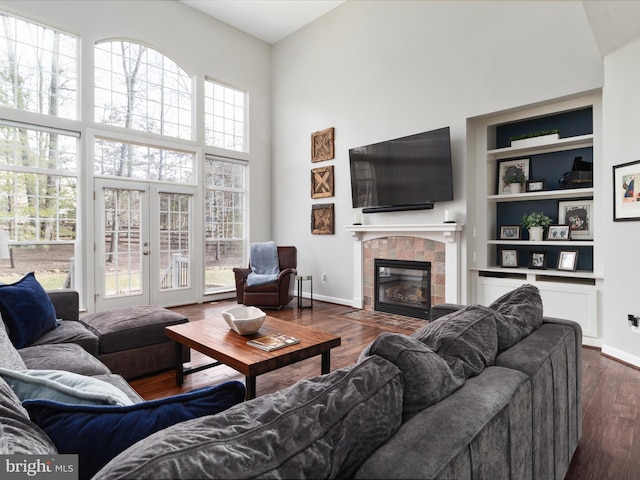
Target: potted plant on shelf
{"x":516,"y":180}
{"x":536,"y":222}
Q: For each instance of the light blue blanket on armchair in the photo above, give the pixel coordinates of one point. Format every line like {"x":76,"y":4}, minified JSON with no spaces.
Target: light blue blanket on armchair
{"x":263,"y":261}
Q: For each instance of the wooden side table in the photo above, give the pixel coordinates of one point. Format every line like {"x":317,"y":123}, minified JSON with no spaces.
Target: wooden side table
{"x":300,"y":279}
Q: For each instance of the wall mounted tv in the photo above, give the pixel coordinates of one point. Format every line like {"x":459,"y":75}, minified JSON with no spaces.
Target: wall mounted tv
{"x":408,"y":173}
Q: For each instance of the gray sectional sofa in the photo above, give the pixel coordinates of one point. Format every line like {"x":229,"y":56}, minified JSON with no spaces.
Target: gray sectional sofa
{"x":480,"y":392}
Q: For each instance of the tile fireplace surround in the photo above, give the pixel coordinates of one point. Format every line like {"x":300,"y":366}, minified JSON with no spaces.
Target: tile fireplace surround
{"x":435,"y":243}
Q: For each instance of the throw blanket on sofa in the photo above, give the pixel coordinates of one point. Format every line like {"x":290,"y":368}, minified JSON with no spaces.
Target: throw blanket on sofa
{"x":263,"y":261}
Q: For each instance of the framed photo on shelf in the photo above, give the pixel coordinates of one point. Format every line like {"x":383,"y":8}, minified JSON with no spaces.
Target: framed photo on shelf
{"x":538,"y":260}
{"x":577,"y":214}
{"x":510,"y":232}
{"x":568,"y":260}
{"x":559,"y":232}
{"x":511,"y":167}
{"x":509,"y":258}
{"x":626,"y":197}
{"x":536,"y":185}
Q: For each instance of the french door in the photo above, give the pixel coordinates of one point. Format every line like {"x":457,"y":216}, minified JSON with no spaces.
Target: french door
{"x":143,"y":243}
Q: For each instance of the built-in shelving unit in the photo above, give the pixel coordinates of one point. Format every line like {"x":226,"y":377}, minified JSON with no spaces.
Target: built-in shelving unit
{"x":566,"y":293}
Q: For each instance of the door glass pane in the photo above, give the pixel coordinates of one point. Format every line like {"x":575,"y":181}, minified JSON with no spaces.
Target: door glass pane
{"x":175,"y":268}
{"x":122,"y":242}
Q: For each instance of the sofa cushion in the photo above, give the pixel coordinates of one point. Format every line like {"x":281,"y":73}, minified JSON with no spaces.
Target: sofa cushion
{"x":62,"y":356}
{"x":19,"y":434}
{"x":466,"y":339}
{"x":26,"y":310}
{"x":121,"y":329}
{"x":62,"y":386}
{"x":97,"y":433}
{"x":9,"y":356}
{"x":70,"y":331}
{"x":322,"y":427}
{"x":518,"y":313}
{"x":426,"y":377}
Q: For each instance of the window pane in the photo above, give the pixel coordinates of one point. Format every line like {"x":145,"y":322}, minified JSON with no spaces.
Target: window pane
{"x":38,"y":68}
{"x":224,"y":116}
{"x":143,"y":162}
{"x":224,"y":222}
{"x":174,"y":241}
{"x":138,"y":87}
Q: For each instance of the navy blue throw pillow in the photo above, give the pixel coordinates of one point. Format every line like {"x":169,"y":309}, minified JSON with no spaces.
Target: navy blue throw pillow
{"x":27,"y":310}
{"x":97,"y":433}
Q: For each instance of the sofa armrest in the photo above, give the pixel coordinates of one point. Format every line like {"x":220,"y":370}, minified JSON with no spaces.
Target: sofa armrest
{"x":442,"y":309}
{"x":66,"y":303}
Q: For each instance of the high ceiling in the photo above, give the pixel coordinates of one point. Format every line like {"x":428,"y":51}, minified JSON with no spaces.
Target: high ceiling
{"x":613,"y":22}
{"x":269,"y":20}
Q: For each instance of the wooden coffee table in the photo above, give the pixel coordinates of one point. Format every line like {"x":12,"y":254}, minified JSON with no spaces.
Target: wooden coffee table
{"x":214,"y":338}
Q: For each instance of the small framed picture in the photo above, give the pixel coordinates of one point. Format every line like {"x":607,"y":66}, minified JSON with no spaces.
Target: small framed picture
{"x":535,"y":185}
{"x":510,"y":232}
{"x":626,"y":198}
{"x":577,"y":214}
{"x":509,"y":258}
{"x":567,"y":260}
{"x":538,"y":260}
{"x":511,"y":167}
{"x":559,"y":232}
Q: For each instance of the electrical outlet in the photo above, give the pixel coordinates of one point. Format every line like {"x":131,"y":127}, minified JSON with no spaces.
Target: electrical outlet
{"x":324,"y":278}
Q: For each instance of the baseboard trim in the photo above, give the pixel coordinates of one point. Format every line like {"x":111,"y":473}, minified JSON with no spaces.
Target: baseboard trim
{"x":624,"y":357}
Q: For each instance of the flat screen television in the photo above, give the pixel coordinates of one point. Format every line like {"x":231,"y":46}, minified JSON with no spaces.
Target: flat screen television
{"x":408,"y":173}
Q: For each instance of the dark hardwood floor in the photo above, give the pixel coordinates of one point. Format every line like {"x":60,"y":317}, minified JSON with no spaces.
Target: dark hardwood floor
{"x":610,"y":393}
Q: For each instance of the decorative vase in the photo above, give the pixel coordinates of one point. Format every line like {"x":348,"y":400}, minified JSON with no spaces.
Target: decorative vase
{"x":515,"y":187}
{"x":535,"y":234}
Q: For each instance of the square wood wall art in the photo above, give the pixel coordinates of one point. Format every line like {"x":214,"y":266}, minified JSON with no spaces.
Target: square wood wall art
{"x":322,"y":145}
{"x":322,"y":182}
{"x":322,"y":222}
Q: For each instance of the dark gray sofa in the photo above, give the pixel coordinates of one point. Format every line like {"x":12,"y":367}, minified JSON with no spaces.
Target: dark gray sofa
{"x":478,"y":393}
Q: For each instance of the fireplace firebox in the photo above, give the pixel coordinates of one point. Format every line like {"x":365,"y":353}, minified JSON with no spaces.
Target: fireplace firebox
{"x":403,"y":287}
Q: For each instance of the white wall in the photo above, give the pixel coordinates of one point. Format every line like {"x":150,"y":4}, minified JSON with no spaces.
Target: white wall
{"x":621,"y":120}
{"x":377,"y":70}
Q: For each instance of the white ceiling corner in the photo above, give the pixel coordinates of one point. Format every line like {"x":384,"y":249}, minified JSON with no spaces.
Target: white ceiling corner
{"x":269,"y":20}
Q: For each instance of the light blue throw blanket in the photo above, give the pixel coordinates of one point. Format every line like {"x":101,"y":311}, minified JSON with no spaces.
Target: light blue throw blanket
{"x":263,"y":260}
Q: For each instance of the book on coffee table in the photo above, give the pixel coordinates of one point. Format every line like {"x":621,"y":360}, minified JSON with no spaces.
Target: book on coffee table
{"x":273,"y":341}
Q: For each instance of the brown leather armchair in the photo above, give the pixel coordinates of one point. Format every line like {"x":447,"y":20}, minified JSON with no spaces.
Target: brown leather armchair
{"x":277,"y":294}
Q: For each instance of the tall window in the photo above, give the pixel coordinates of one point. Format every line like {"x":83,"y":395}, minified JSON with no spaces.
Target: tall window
{"x":224,"y":221}
{"x":224,"y":110}
{"x":38,"y":68}
{"x":138,"y":87}
{"x":38,"y":195}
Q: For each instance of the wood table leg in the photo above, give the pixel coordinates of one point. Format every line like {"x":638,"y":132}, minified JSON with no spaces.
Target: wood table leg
{"x":326,"y":362}
{"x":251,"y":387}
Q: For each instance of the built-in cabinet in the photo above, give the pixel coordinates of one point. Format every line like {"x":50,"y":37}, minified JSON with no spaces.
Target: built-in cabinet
{"x":502,"y":256}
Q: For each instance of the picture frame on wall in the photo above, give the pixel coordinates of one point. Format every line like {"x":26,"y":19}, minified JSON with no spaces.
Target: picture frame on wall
{"x":509,"y":258}
{"x":538,"y":260}
{"x":510,"y":232}
{"x":626,"y":195}
{"x":568,"y":260}
{"x":322,"y":219}
{"x":322,"y":182}
{"x":559,"y":232}
{"x":577,"y":214}
{"x":508,"y":167}
{"x":322,"y":145}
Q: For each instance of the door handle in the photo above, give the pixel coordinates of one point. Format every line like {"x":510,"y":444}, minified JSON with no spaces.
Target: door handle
{"x":146,"y":252}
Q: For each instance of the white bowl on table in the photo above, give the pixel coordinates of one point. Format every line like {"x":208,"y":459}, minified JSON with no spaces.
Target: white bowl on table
{"x":244,"y":320}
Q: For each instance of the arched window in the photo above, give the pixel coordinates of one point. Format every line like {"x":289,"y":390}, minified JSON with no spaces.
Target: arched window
{"x":139,"y":88}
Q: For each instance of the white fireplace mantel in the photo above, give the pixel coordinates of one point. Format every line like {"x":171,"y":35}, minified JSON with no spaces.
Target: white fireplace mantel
{"x":448,"y":233}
